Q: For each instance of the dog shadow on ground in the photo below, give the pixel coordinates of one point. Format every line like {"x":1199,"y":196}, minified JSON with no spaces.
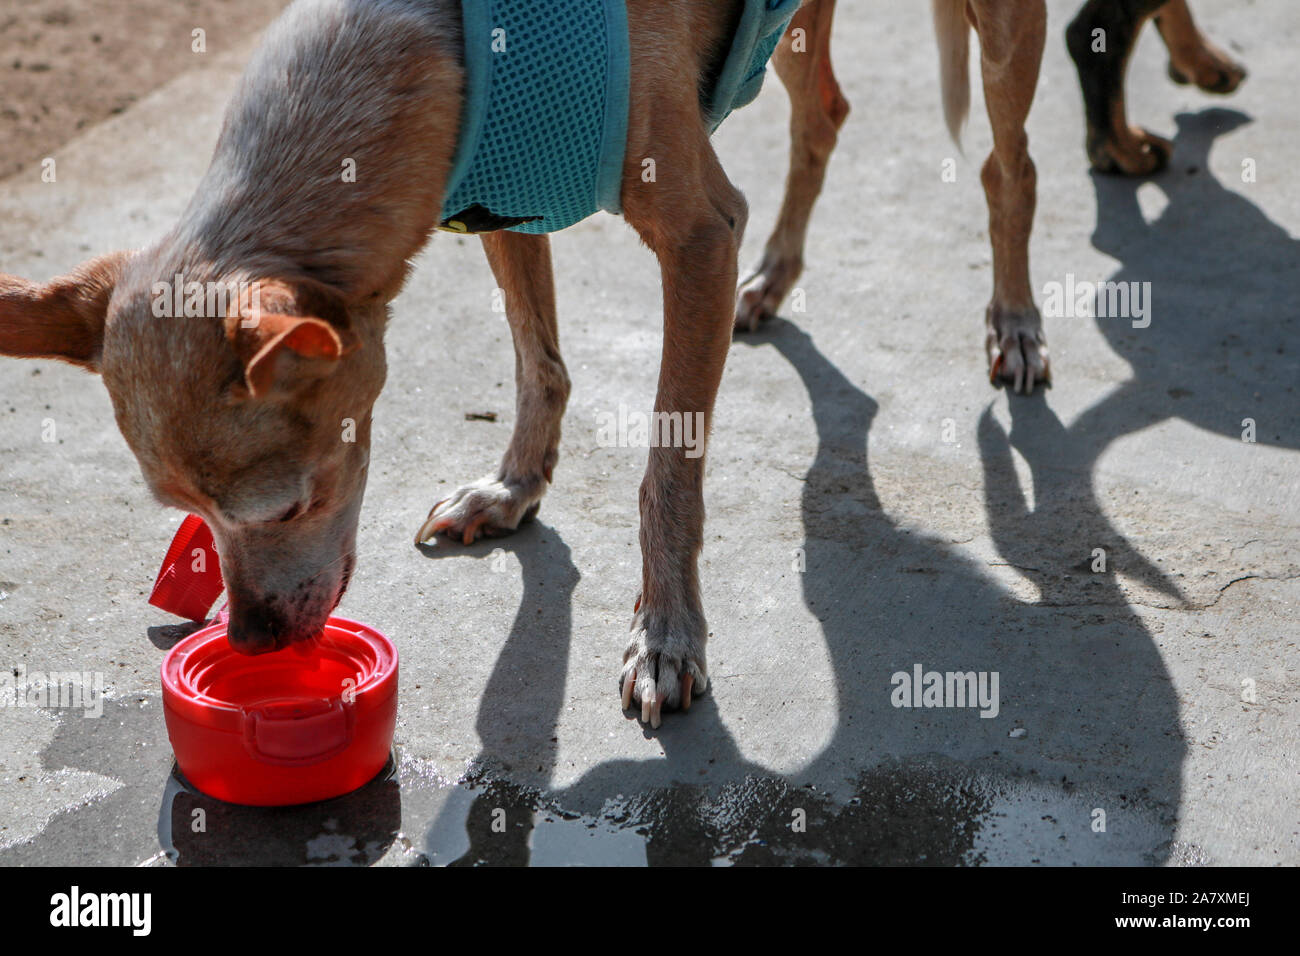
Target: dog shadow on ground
{"x":1219,"y":349}
{"x":1088,"y":720}
{"x":1222,"y":343}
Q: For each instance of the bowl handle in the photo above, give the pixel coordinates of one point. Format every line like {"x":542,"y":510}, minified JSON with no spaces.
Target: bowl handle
{"x":298,"y":733}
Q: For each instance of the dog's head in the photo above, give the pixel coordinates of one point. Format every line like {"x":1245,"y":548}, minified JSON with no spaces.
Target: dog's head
{"x":246,"y":401}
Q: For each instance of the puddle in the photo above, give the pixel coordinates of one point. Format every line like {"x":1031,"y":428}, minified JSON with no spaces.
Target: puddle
{"x":917,"y":812}
{"x":920,"y":811}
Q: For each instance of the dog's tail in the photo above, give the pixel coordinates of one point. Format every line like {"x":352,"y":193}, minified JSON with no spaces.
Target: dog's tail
{"x":953,"y":33}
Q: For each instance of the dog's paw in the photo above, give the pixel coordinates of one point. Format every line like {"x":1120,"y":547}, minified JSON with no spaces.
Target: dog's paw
{"x":1209,"y":68}
{"x":761,"y":294}
{"x":487,"y":508}
{"x":1017,"y":348}
{"x":1139,"y":152}
{"x":663,"y":668}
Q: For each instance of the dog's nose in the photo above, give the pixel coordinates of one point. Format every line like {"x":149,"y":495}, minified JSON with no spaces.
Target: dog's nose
{"x":256,"y":629}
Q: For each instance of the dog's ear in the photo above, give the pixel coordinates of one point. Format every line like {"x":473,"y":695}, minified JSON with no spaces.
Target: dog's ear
{"x":62,"y":318}
{"x":288,"y":335}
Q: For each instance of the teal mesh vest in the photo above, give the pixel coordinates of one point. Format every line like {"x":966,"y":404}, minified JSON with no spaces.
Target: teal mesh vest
{"x":544,"y":129}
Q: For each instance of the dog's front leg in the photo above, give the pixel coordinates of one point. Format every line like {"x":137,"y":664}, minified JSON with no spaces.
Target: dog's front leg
{"x":496,"y":504}
{"x":664,"y":664}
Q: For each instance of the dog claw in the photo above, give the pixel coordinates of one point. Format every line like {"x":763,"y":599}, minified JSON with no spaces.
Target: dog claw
{"x":472,"y":529}
{"x":629,"y":682}
{"x":430,"y":526}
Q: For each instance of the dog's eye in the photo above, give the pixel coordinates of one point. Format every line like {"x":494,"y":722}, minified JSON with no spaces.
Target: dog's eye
{"x":291,"y":513}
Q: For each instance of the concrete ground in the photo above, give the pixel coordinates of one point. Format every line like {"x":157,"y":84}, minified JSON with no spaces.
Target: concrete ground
{"x":873,"y":505}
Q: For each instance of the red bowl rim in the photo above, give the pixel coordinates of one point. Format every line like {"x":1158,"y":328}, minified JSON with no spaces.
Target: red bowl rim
{"x":179,"y":693}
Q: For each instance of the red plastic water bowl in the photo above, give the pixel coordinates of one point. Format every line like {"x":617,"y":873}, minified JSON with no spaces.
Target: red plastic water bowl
{"x":306,"y":723}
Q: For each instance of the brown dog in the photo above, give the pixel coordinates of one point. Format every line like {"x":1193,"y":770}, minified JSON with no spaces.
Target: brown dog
{"x":1011,"y":36}
{"x":253,"y":409}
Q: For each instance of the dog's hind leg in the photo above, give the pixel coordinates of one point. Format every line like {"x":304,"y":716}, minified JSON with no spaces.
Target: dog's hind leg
{"x":1101,"y":39}
{"x":495,"y":505}
{"x":1011,"y":51}
{"x":817,"y":111}
{"x":664,"y":664}
{"x":1193,"y":58}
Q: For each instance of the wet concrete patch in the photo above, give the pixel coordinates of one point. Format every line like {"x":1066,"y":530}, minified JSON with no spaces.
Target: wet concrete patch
{"x":927,"y":812}
{"x":921,"y":811}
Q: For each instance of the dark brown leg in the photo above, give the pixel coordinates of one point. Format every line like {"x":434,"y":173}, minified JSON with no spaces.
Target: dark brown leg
{"x":1101,"y":39}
